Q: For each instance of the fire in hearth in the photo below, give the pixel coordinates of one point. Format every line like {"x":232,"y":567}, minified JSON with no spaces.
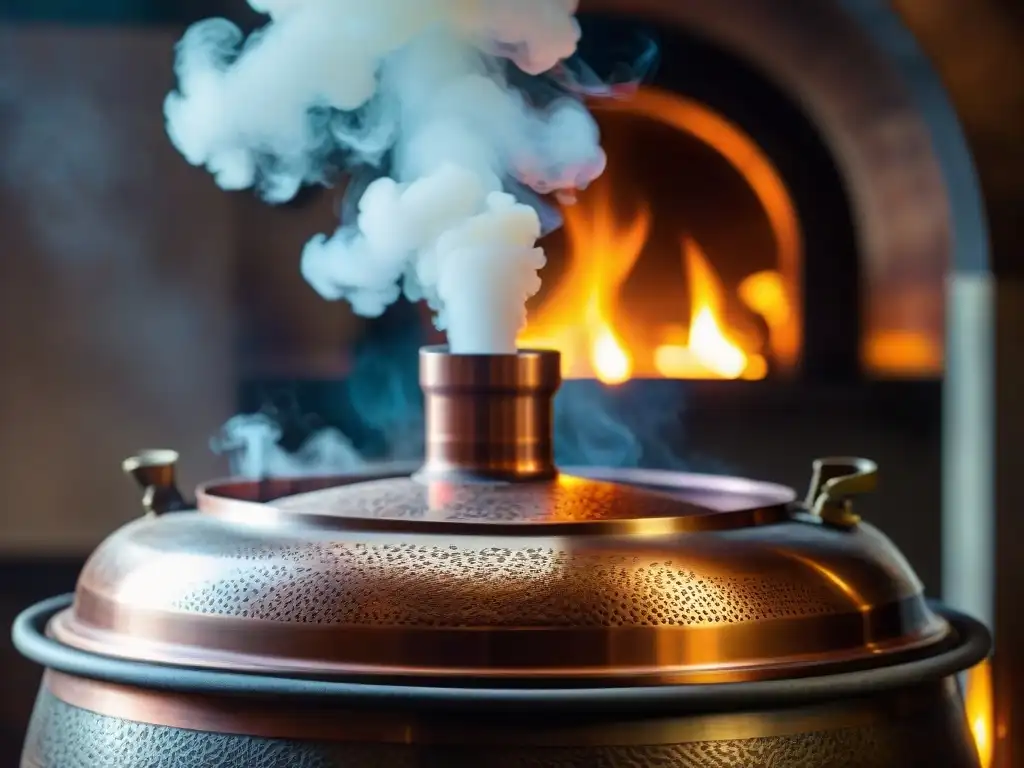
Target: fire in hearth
{"x":648,"y":285}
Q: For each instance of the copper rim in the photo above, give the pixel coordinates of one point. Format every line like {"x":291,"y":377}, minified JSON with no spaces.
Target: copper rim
{"x":969,"y":644}
{"x":611,"y":656}
{"x":251,"y":502}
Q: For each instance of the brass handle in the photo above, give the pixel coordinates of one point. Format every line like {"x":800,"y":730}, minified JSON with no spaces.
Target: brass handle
{"x":154,"y":471}
{"x":834,"y":483}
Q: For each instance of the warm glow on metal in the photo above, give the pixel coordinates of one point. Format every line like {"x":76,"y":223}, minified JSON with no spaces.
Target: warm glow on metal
{"x":582,"y":316}
{"x":980,"y":712}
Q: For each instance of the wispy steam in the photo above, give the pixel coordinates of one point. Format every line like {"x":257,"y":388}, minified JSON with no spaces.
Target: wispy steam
{"x":424,"y":83}
{"x":376,"y":412}
{"x":252,"y":445}
{"x":590,"y":430}
{"x":629,"y":426}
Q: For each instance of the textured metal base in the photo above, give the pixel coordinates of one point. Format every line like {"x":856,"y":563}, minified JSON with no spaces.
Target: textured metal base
{"x":64,"y":736}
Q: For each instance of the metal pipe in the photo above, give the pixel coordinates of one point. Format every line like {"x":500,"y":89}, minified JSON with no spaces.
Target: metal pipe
{"x":489,"y":417}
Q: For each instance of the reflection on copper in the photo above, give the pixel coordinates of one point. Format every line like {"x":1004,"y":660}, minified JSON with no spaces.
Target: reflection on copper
{"x":766,"y":650}
{"x":687,"y":503}
{"x":980,"y":705}
{"x":236,"y":499}
{"x":489,"y":416}
{"x":837,"y":580}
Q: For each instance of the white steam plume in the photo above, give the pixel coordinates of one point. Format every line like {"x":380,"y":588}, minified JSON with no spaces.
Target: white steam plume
{"x":423,"y":80}
{"x":251,"y":443}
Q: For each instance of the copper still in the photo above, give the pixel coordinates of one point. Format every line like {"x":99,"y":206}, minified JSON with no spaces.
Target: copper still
{"x":488,"y":610}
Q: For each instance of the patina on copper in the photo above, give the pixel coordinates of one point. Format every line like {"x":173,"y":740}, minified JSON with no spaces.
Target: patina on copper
{"x":488,"y":566}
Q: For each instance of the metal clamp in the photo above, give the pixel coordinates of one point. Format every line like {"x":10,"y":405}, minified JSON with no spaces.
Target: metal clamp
{"x":154,"y":471}
{"x":834,"y":483}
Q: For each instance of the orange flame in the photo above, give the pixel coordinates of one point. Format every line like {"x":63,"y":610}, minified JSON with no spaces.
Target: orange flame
{"x":581,"y":315}
{"x":708,"y":352}
{"x":577,"y":317}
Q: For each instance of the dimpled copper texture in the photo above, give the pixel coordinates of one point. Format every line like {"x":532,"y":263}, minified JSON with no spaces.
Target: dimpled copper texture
{"x":567,"y":499}
{"x":486,"y":569}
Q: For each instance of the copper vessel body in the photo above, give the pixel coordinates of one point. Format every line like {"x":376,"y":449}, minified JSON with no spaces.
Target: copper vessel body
{"x":82,"y":724}
{"x":492,"y":610}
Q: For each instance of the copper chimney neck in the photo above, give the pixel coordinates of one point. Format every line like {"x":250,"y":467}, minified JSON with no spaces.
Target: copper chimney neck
{"x":489,"y":417}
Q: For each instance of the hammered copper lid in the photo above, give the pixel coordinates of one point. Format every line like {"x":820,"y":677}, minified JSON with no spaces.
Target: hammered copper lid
{"x":489,"y":567}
